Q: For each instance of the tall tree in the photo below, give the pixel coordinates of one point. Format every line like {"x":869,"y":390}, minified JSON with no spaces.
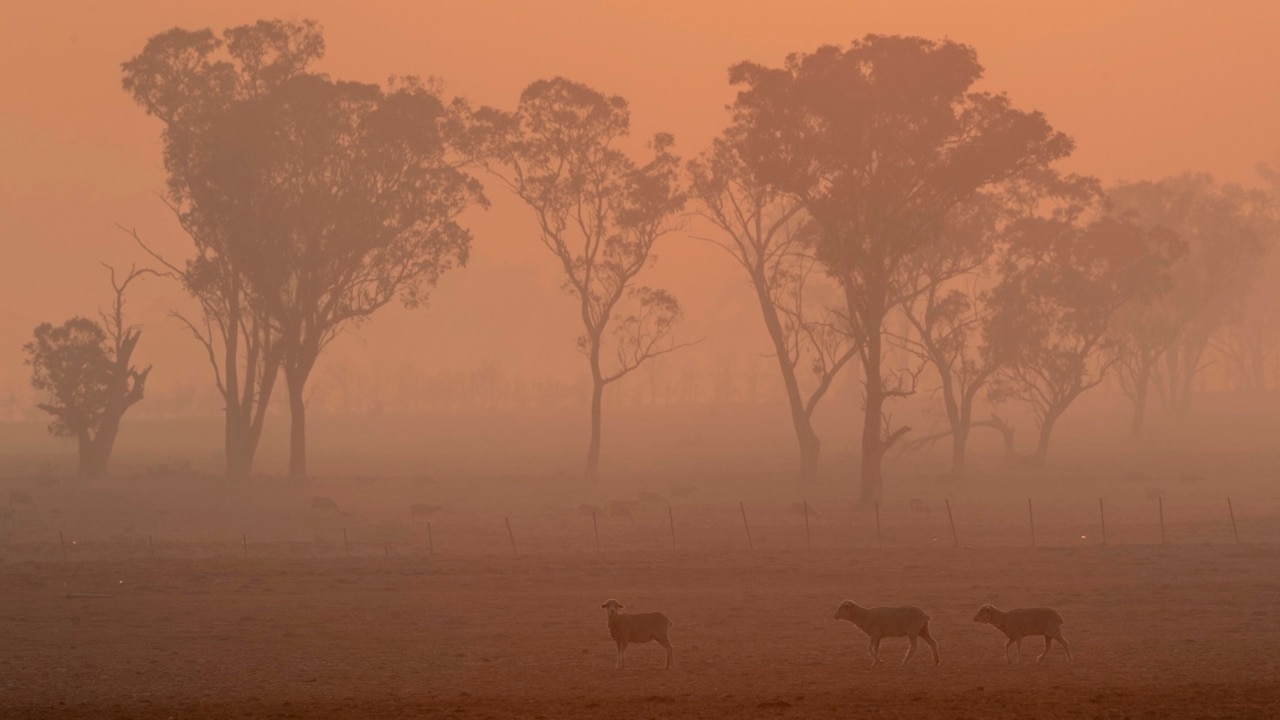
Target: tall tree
{"x":599,"y":213}
{"x":762,"y":230}
{"x":337,"y":198}
{"x":187,"y":79}
{"x":1054,"y":308}
{"x":86,"y":370}
{"x":878,"y":142}
{"x":948,"y":307}
{"x":1223,"y":227}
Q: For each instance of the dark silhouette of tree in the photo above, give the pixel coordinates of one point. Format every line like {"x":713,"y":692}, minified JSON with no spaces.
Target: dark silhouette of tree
{"x":879,"y":142}
{"x":599,"y":213}
{"x":1053,"y":310}
{"x":86,"y":370}
{"x":337,"y":198}
{"x":1223,"y":227}
{"x":188,"y":79}
{"x":762,"y":230}
{"x":948,"y":309}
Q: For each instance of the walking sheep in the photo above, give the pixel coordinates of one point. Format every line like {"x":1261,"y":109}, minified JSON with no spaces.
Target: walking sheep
{"x":882,"y":622}
{"x":638,"y":628}
{"x":1019,"y":623}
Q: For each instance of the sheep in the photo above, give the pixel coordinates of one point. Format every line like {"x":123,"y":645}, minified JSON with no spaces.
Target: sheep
{"x":423,"y":510}
{"x":638,"y":628}
{"x":1019,"y":623}
{"x":321,"y":503}
{"x":882,"y":622}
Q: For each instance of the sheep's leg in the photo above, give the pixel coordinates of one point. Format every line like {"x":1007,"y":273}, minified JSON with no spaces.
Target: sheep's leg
{"x":1019,"y":643}
{"x":933,"y":644}
{"x":871,"y":650}
{"x":911,"y":650}
{"x":1057,"y":635}
{"x":1007,"y":659}
{"x":622,"y":654}
{"x":1048,"y":641}
{"x":671,"y":658}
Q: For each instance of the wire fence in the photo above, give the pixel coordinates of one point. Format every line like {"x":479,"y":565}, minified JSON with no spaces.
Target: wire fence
{"x":1044,"y":523}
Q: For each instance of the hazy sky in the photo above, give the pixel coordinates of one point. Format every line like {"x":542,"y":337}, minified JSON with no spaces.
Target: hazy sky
{"x":1146,"y":88}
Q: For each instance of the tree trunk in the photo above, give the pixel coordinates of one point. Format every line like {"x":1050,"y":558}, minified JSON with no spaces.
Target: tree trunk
{"x":806,"y":437}
{"x":872,"y":434}
{"x":810,"y":450}
{"x":296,"y":382}
{"x":87,"y":466}
{"x":959,"y":449}
{"x":593,"y":447}
{"x":1041,"y":455}
{"x":1139,"y":405}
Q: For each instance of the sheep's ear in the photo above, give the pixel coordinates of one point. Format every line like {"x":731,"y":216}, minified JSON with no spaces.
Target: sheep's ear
{"x":620,"y":606}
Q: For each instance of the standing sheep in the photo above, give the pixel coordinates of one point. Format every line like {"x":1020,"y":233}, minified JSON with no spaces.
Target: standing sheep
{"x":638,"y":628}
{"x":882,"y":622}
{"x":1019,"y":623}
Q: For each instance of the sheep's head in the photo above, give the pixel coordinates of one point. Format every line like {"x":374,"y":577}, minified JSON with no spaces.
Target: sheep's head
{"x":613,"y":606}
{"x":845,"y":611}
{"x":984,"y":614}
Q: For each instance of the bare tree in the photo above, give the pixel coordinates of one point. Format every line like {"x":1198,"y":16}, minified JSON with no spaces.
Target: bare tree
{"x":761,"y":229}
{"x":598,"y":213}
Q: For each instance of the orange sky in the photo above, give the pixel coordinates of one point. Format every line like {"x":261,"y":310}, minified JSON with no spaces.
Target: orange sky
{"x":1146,"y":88}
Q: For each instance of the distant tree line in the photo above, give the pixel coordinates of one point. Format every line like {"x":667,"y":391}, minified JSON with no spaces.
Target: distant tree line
{"x":887,"y":213}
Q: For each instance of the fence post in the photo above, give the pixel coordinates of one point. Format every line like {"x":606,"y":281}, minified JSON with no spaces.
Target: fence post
{"x":1032,"y":514}
{"x":879,"y":541}
{"x":671,"y":518}
{"x":596,"y":529}
{"x":743,"y":508}
{"x":512,"y":535}
{"x":807,"y":537}
{"x":955,"y":540}
{"x":1232,"y":510}
{"x":1160,"y":503}
{"x":1102,"y":513}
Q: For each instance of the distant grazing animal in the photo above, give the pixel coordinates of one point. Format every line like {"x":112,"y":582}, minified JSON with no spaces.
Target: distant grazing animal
{"x":320,"y":503}
{"x":17,"y":497}
{"x":423,"y":510}
{"x":882,"y":622}
{"x":651,"y":498}
{"x":638,"y":628}
{"x":622,"y":508}
{"x":1019,"y":623}
{"x":801,"y":508}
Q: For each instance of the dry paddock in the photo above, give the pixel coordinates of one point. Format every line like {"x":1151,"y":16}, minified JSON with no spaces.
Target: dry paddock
{"x":1158,"y":632}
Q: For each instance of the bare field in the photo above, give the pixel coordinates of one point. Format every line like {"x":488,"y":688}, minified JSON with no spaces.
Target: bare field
{"x":1185,"y":631}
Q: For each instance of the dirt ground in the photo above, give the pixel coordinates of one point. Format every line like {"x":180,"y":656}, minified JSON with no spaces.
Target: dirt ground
{"x":1157,"y":632}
